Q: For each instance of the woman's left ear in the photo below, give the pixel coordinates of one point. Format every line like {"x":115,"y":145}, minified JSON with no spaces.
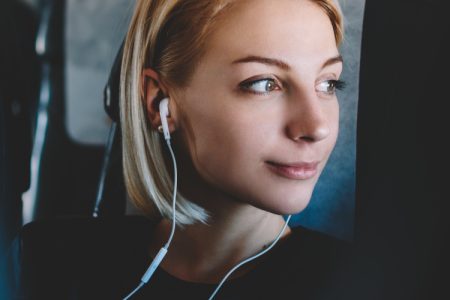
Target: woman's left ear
{"x":153,"y":91}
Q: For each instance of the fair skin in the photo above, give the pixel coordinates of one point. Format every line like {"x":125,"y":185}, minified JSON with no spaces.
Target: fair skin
{"x":236,"y":141}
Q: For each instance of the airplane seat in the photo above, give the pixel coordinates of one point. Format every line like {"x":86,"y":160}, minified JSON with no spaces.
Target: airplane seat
{"x":19,"y":81}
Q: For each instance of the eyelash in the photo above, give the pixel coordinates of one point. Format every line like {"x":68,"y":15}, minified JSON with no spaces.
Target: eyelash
{"x":337,"y":85}
{"x":246,"y":86}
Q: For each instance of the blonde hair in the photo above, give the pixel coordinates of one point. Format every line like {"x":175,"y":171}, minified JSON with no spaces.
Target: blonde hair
{"x":168,"y":36}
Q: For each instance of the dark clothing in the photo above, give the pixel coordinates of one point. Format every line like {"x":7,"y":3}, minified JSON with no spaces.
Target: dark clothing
{"x":105,"y":259}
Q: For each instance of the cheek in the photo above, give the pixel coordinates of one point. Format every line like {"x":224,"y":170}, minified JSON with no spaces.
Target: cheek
{"x":230,"y":139}
{"x":330,"y":110}
{"x":228,"y":146}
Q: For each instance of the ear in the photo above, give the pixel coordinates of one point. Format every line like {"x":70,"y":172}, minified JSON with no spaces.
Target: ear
{"x":153,"y":91}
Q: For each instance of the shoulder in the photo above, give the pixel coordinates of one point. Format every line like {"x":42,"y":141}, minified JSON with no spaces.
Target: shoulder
{"x":316,"y":250}
{"x":319,"y":242}
{"x":309,"y":253}
{"x":306,"y":252}
{"x":312,"y":264}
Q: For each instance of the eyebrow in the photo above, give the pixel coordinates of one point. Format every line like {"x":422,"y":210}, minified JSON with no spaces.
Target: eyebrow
{"x":281,"y":64}
{"x":333,"y":60}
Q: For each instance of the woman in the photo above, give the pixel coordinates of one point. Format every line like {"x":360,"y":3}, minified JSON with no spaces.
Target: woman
{"x":253,"y":118}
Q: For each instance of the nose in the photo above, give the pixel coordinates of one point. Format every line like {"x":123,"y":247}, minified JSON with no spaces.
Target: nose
{"x":308,"y":119}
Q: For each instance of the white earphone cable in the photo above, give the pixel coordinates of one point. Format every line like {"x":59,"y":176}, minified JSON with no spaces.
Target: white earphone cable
{"x":162,"y":252}
{"x":250,"y":259}
{"x":174,"y":197}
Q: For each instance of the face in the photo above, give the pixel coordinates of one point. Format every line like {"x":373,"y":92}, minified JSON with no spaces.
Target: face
{"x":261,"y":104}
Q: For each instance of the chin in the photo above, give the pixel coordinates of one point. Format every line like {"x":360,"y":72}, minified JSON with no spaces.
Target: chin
{"x":294,"y":208}
{"x":288,"y":206}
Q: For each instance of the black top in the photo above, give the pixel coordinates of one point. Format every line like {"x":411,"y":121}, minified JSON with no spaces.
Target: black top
{"x":105,"y":258}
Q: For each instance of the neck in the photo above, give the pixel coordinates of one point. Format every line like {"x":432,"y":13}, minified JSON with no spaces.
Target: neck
{"x":205,"y":253}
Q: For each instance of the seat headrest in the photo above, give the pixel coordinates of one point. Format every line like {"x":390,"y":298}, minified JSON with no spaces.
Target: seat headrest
{"x":111,"y":93}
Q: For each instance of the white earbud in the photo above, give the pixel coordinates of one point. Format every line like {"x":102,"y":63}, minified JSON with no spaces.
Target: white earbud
{"x":164,"y":113}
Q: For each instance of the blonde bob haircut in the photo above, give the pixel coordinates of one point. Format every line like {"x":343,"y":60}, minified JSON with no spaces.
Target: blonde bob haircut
{"x":168,"y":36}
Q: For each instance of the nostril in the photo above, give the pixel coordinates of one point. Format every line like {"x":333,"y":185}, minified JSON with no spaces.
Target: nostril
{"x":307,"y":138}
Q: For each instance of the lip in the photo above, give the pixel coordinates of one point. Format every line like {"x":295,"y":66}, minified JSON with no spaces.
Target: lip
{"x":296,"y":170}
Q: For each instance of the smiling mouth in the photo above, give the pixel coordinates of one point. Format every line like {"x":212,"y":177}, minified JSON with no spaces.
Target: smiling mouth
{"x":296,"y":171}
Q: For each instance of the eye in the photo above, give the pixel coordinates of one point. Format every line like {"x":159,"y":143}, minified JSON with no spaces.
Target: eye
{"x":329,"y":87}
{"x":260,"y":86}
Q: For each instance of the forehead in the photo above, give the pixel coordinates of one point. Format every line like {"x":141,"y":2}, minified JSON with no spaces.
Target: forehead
{"x":293,"y":30}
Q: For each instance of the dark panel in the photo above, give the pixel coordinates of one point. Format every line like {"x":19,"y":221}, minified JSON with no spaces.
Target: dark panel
{"x":402,"y":150}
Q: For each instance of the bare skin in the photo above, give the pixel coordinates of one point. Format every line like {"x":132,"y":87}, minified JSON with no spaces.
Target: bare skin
{"x":227,"y":134}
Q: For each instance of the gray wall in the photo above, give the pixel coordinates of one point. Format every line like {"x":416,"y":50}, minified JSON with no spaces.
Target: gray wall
{"x":332,"y":205}
{"x":95,"y":29}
